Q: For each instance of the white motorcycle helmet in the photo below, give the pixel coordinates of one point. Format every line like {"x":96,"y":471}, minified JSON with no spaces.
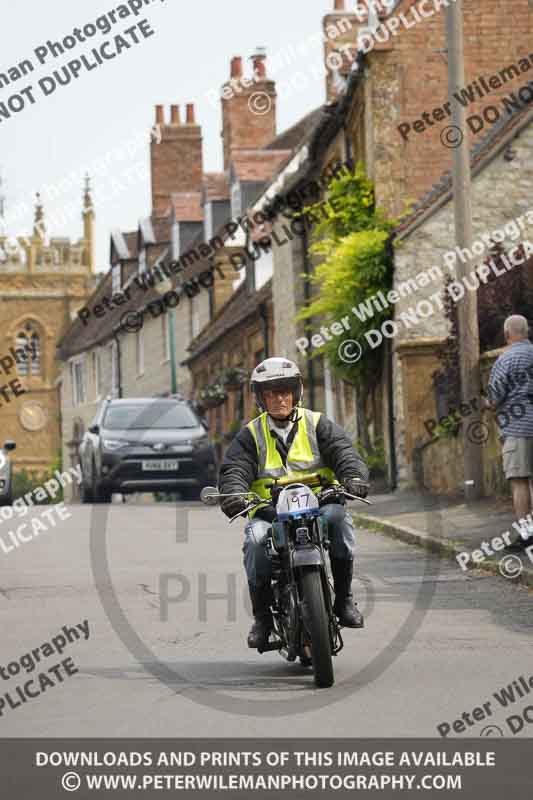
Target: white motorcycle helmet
{"x":277,"y":373}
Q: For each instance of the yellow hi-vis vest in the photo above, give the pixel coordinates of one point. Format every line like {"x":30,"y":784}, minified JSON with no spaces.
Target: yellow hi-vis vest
{"x":303,"y":457}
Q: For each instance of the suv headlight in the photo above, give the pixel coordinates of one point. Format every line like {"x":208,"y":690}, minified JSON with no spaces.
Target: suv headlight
{"x":115,"y":444}
{"x":201,"y":443}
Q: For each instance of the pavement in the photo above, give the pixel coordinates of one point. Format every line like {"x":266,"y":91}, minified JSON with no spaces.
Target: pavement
{"x":163,"y":592}
{"x":451,"y":527}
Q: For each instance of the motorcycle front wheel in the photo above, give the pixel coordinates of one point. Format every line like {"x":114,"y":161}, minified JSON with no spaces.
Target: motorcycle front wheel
{"x":317,"y":626}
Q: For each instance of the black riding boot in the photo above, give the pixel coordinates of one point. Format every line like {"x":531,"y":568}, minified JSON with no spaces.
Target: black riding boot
{"x":261,"y":597}
{"x":345,"y":607}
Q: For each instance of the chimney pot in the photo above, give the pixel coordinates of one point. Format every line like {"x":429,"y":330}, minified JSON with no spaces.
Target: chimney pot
{"x":175,"y":115}
{"x":160,"y":115}
{"x":190,"y":114}
{"x":236,"y":67}
{"x":339,"y":5}
{"x":259,"y":66}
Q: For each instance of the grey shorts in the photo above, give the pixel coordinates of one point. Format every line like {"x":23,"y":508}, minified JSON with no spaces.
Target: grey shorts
{"x":517,"y":453}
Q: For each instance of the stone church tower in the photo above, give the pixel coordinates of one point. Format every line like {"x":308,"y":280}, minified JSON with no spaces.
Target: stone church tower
{"x":43,"y":282}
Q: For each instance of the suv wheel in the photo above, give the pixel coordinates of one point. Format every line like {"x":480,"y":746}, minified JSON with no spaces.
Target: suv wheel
{"x":99,"y":495}
{"x":86,"y":492}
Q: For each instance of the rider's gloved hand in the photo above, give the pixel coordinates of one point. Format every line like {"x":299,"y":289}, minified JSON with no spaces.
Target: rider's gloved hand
{"x":356,"y":487}
{"x":231,"y":506}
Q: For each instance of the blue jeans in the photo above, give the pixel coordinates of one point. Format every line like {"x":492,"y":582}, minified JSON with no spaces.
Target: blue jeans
{"x":258,"y":565}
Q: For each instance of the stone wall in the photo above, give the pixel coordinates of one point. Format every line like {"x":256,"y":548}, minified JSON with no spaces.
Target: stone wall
{"x":441,"y":461}
{"x":501,"y":193}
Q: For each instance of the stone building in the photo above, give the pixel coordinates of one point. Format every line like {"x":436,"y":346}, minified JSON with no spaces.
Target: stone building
{"x":502,"y":201}
{"x":43,"y":282}
{"x":246,"y":328}
{"x":371,"y":92}
{"x":190,"y":208}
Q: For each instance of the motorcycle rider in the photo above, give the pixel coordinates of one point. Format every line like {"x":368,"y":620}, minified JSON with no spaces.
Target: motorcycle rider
{"x":288,"y":440}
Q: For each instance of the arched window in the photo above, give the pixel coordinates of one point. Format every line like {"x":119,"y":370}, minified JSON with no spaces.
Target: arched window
{"x":35,"y":354}
{"x":22,"y":349}
{"x":29,"y":353}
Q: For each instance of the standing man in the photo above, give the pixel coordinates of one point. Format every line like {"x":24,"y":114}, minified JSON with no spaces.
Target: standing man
{"x":287,"y":440}
{"x":511,"y":394}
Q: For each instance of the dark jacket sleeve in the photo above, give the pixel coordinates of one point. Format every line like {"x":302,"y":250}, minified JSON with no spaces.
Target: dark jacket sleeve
{"x":338,"y":452}
{"x":239,"y":468}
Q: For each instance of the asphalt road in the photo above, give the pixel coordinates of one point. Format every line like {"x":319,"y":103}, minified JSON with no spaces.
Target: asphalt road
{"x":165,"y":659}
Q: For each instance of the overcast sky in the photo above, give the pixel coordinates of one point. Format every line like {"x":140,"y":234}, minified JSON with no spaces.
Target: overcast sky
{"x":104,"y":110}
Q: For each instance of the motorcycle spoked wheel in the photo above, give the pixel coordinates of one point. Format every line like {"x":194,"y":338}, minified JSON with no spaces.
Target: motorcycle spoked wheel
{"x":286,"y":622}
{"x":317,"y":625}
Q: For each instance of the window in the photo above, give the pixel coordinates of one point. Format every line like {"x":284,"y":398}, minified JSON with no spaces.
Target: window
{"x":263,"y":270}
{"x":97,"y":374}
{"x":149,"y":415}
{"x":35,"y":354}
{"x":114,"y":369}
{"x":195,"y":317}
{"x":236,"y":200}
{"x":28,"y":342}
{"x":23,"y":357}
{"x":78,"y":382}
{"x":165,"y":322}
{"x":116,"y":277}
{"x":139,"y":352}
{"x":142,"y":260}
{"x":175,"y":240}
{"x":208,"y":221}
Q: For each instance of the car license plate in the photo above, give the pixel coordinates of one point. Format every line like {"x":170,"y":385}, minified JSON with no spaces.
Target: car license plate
{"x":157,"y":466}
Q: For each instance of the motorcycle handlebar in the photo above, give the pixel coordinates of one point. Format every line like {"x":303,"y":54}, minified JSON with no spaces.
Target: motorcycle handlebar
{"x":210,"y":496}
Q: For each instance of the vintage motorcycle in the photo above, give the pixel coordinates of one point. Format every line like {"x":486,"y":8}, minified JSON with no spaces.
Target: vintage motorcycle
{"x":305,"y":625}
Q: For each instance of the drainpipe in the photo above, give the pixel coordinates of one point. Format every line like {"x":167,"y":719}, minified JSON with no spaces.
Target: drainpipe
{"x":307,"y":296}
{"x":119,"y":363}
{"x":263,"y":314}
{"x":393,"y":482}
{"x":348,"y":150}
{"x":171,"y":323}
{"x":393,"y":466}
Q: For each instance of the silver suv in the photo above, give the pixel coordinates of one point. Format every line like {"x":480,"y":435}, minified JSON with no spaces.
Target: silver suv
{"x":6,"y":473}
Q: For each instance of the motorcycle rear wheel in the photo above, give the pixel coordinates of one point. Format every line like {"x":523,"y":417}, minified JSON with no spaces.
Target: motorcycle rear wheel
{"x":317,"y":625}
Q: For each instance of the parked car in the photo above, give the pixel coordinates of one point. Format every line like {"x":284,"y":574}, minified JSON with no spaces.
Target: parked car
{"x":145,"y":445}
{"x":6,"y":474}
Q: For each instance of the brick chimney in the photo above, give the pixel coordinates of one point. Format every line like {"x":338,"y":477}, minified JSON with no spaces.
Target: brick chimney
{"x":248,"y":107}
{"x":176,"y":160}
{"x":340,"y":37}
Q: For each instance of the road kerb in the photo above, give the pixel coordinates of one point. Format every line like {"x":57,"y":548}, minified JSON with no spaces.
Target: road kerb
{"x":446,"y":547}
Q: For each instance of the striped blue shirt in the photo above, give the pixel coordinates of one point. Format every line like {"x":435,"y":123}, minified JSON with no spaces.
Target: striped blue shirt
{"x":510,"y":389}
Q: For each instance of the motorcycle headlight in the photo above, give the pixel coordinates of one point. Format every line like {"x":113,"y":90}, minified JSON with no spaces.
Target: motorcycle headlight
{"x":115,"y":444}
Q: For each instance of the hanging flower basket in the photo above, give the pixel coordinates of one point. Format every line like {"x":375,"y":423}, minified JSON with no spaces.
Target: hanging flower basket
{"x":212,"y":396}
{"x":233,"y":378}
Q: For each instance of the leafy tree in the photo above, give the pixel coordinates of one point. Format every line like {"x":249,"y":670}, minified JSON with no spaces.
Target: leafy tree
{"x":353,"y":237}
